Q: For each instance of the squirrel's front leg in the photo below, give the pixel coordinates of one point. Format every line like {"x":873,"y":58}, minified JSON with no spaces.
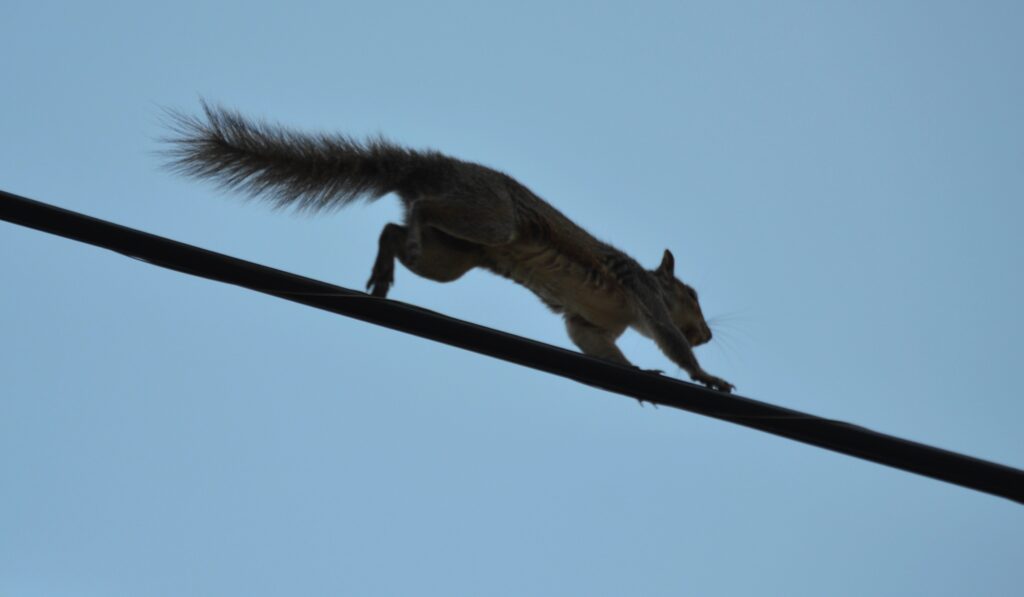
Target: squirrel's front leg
{"x":672,"y":342}
{"x":594,"y":341}
{"x":654,"y":317}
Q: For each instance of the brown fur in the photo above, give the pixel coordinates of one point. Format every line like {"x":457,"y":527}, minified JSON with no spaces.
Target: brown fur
{"x":458,"y":216}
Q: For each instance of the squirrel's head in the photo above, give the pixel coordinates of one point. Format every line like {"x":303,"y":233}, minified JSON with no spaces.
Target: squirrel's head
{"x":682,"y":302}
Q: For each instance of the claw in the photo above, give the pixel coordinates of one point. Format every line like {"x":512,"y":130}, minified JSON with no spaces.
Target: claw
{"x":715,"y":383}
{"x":654,"y":371}
{"x":380,"y":281}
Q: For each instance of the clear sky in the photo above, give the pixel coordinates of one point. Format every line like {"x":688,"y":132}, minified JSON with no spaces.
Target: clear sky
{"x":841,"y":181}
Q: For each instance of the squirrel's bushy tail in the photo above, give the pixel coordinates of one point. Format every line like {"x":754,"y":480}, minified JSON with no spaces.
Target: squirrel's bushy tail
{"x":310,"y":172}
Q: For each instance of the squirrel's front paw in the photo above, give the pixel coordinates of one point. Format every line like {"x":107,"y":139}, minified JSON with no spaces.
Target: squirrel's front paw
{"x":715,"y":383}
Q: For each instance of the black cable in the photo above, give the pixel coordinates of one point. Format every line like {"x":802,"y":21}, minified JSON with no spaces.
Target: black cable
{"x":838,"y":436}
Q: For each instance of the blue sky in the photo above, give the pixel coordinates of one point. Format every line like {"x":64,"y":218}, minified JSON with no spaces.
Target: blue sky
{"x":841,"y":181}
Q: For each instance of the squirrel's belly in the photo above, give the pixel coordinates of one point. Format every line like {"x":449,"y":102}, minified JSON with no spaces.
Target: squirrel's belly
{"x":563,"y":284}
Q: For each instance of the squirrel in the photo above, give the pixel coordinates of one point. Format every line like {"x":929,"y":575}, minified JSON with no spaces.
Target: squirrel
{"x":459,"y":215}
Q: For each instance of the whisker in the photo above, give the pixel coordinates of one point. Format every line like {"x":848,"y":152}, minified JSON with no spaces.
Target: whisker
{"x":730,"y":327}
{"x":725,"y":347}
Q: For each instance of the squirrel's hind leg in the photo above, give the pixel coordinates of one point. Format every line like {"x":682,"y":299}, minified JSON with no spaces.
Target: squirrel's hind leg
{"x":486,"y":221}
{"x":440,"y":259}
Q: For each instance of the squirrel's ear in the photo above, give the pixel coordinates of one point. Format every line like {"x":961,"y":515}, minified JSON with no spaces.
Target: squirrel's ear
{"x":668,"y":264}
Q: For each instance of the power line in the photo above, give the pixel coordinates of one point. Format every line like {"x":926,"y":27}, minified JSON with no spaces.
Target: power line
{"x":838,"y":436}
